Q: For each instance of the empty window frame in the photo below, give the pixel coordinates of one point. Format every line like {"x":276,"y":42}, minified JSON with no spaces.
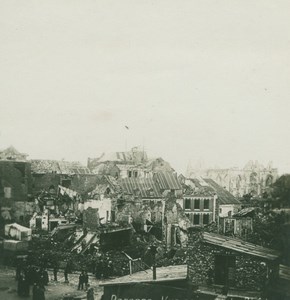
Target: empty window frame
{"x":187,"y":204}
{"x":196,"y":203}
{"x":206,"y":204}
{"x":205,"y":219}
{"x":196,"y":219}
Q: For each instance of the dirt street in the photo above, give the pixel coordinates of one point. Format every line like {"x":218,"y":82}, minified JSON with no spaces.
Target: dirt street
{"x":54,"y":290}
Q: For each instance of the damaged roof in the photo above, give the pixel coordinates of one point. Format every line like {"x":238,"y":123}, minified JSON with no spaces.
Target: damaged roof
{"x":206,"y":187}
{"x":145,"y":186}
{"x":244,"y":212}
{"x":224,"y":196}
{"x":104,"y":182}
{"x":41,"y":166}
{"x":167,"y":181}
{"x":240,"y":246}
{"x":284,"y":272}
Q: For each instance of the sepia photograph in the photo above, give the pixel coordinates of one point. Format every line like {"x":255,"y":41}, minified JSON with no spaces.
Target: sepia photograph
{"x":145,"y":150}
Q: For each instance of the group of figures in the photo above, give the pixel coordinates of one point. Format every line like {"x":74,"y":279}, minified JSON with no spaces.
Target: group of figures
{"x":83,"y":281}
{"x":28,"y":276}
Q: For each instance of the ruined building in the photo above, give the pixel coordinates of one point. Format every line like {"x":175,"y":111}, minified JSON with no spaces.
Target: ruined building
{"x":130,"y":164}
{"x":15,"y":185}
{"x":219,"y":265}
{"x":204,"y":201}
{"x":254,"y":178}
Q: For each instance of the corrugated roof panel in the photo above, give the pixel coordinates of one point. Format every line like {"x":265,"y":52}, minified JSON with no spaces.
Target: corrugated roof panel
{"x":167,"y":181}
{"x":144,"y":185}
{"x":224,"y":196}
{"x":240,"y":246}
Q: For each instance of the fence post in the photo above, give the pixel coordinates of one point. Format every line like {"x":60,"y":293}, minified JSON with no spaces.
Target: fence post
{"x":130,"y":266}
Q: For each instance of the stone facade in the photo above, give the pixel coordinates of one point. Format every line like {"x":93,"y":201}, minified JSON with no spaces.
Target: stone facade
{"x":245,"y":271}
{"x":253,"y":178}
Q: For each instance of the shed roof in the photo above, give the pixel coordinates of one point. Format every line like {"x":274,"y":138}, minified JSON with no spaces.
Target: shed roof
{"x":169,"y":273}
{"x":284,"y":272}
{"x":244,"y":212}
{"x":240,"y":246}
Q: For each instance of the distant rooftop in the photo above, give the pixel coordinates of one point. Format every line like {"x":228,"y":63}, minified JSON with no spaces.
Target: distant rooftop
{"x":11,"y":153}
{"x":41,"y":166}
{"x":206,"y":187}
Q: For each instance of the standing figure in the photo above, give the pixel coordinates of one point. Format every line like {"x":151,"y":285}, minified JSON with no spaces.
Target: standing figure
{"x":35,"y":292}
{"x":18,"y":271}
{"x":105,"y":269}
{"x":26,"y":285}
{"x":110,"y":268}
{"x":86,"y":280}
{"x":67,"y":270}
{"x":81,"y":281}
{"x":20,"y":286}
{"x":90,"y":293}
{"x":99,"y":269}
{"x":40,"y":293}
{"x":55,"y":269}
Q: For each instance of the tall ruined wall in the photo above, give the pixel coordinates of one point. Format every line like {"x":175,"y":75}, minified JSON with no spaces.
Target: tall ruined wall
{"x":140,"y":210}
{"x":253,"y":178}
{"x":250,"y":272}
{"x":45,"y":181}
{"x":241,"y":182}
{"x":15,"y":176}
{"x":82,"y":184}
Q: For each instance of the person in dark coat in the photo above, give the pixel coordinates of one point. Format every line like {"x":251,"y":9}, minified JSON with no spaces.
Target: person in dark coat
{"x":20,"y":286}
{"x":55,"y":269}
{"x":110,"y":268}
{"x":18,"y":271}
{"x":67,"y":270}
{"x":41,"y":277}
{"x":26,"y":286}
{"x":81,"y":281}
{"x":34,"y":291}
{"x":99,"y":269}
{"x":86,"y":280}
{"x":105,"y":269}
{"x":38,"y":292}
{"x":90,"y":293}
{"x":45,"y":277}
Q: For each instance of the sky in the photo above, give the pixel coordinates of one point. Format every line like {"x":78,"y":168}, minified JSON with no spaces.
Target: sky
{"x":192,"y":80}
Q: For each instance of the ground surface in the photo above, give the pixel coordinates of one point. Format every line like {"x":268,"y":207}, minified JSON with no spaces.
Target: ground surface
{"x":54,"y":290}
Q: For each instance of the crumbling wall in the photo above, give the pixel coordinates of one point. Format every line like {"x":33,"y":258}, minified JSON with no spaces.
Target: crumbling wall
{"x":15,"y":176}
{"x":91,"y":219}
{"x":22,"y":211}
{"x":83,"y":183}
{"x":250,"y":272}
{"x":104,"y":208}
{"x":45,"y":181}
{"x":174,"y":215}
{"x":128,"y":211}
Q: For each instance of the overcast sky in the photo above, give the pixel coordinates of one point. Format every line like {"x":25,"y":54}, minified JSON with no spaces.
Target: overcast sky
{"x":191,"y":79}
